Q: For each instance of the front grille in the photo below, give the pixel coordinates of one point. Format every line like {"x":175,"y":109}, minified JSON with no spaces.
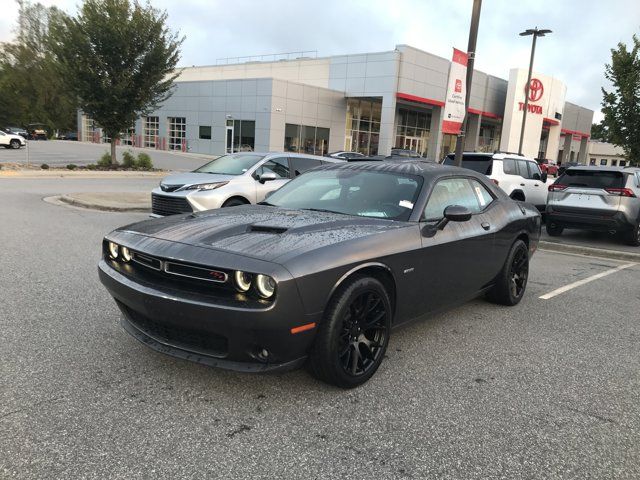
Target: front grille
{"x":193,"y":340}
{"x":169,"y":188}
{"x":166,"y":205}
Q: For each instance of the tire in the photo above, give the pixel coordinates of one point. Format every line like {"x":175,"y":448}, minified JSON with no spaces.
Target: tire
{"x":346,"y":352}
{"x":553,"y":229}
{"x":15,"y":144}
{"x":511,"y":282}
{"x":633,"y":237}
{"x":233,"y":202}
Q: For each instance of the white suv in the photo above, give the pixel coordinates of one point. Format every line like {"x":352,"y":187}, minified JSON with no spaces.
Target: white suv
{"x":520,"y":177}
{"x":9,"y":140}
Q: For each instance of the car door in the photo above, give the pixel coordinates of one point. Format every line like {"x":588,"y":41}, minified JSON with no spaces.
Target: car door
{"x":537,"y":189}
{"x":457,"y":261}
{"x":278,"y":165}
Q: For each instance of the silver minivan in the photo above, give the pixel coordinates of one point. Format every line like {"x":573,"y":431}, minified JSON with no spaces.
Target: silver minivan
{"x":596,"y":198}
{"x":230,"y":180}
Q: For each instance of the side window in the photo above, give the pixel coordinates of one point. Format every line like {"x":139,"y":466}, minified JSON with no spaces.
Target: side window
{"x":300,"y":165}
{"x":533,"y":170}
{"x":523,"y":170}
{"x":279,"y":166}
{"x":452,"y":191}
{"x":484,"y":197}
{"x":509,"y":167}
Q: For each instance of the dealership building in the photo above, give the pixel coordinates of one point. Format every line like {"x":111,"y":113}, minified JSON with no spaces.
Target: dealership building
{"x":368,"y":103}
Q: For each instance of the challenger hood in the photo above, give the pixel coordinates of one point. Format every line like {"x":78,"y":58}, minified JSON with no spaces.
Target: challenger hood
{"x":262,"y":232}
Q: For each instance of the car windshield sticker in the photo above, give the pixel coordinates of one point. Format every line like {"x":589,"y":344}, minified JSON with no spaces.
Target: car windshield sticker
{"x":406,"y":204}
{"x":480,"y":197}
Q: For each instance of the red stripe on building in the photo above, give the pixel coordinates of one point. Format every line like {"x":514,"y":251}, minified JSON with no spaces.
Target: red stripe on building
{"x":484,"y":114}
{"x":414,"y":98}
{"x":574,"y":132}
{"x":550,"y":121}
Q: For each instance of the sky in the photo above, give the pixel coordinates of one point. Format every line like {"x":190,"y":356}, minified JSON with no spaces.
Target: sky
{"x":584,"y":31}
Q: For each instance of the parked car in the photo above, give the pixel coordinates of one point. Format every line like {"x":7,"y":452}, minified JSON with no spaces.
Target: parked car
{"x":346,"y":155}
{"x":547,"y":166}
{"x":17,"y":131}
{"x":403,"y":152}
{"x":519,"y":177}
{"x":563,"y":166}
{"x":229,"y":181}
{"x":598,"y":199}
{"x":10,"y":140}
{"x":37,"y":131}
{"x":323,"y":270}
{"x":71,"y":135}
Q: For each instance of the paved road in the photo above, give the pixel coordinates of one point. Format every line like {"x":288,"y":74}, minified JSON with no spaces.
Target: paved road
{"x":548,"y":389}
{"x":62,"y":153}
{"x":583,"y":238}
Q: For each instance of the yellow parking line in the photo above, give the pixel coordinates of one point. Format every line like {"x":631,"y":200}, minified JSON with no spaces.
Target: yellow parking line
{"x":579,"y":283}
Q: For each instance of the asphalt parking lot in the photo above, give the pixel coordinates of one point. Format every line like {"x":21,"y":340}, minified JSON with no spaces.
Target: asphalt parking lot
{"x":547,"y":389}
{"x":60,"y":153}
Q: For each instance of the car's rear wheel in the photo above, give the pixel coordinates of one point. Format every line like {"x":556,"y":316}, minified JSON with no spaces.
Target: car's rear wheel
{"x":354,"y":334}
{"x":633,"y":237}
{"x":14,"y":144}
{"x":233,"y":202}
{"x":553,"y":229}
{"x":511,"y":282}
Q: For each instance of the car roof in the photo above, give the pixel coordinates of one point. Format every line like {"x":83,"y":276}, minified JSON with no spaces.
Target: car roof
{"x":409,"y":166}
{"x":592,"y":168}
{"x":495,"y":155}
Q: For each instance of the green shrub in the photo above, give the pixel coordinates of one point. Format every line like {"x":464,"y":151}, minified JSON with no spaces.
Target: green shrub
{"x":128,"y":160}
{"x":92,"y":166}
{"x":105,"y":160}
{"x":144,"y":161}
{"x":44,"y":166}
{"x":72,"y":166}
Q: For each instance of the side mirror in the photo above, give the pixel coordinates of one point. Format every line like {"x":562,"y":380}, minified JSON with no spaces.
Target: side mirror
{"x":544,"y":177}
{"x":267,"y":176}
{"x":454,"y":213}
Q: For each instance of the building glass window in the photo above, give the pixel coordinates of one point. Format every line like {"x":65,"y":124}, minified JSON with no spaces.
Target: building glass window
{"x":306,"y":139}
{"x":177,"y":133}
{"x":362,"y":130}
{"x":592,"y":161}
{"x":614,"y":163}
{"x":623,"y":163}
{"x":603,"y":162}
{"x":88,"y":129}
{"x":490,"y":136}
{"x":412,"y":130}
{"x":151,"y":131}
{"x":448,"y":144}
{"x":244,"y":135}
{"x":204,"y":132}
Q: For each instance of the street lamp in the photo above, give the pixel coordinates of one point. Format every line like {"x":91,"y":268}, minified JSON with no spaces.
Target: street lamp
{"x":536,"y":33}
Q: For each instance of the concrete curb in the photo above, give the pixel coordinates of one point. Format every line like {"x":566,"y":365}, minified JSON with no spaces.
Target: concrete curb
{"x":96,"y":206}
{"x":78,"y":174}
{"x":589,"y":251}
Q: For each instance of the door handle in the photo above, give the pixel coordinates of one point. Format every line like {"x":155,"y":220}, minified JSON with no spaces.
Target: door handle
{"x":522,"y":184}
{"x":485,"y":225}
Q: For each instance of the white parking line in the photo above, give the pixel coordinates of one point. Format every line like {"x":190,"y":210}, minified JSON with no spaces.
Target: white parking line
{"x":579,"y":283}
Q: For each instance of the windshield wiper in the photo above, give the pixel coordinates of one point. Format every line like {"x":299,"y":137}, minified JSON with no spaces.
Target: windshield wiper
{"x":266,"y":203}
{"x":324,"y":210}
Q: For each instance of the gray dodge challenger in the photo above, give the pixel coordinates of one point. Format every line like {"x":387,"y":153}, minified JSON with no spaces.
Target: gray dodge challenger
{"x":323,"y":270}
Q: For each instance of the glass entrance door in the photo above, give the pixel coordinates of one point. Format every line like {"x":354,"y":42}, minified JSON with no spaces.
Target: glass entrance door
{"x":413,"y":143}
{"x":229,"y":141}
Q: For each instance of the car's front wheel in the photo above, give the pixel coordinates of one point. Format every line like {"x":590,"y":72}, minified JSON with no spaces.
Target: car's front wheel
{"x":354,"y":334}
{"x":233,"y":202}
{"x":511,"y":282}
{"x":553,"y":229}
{"x":15,"y":144}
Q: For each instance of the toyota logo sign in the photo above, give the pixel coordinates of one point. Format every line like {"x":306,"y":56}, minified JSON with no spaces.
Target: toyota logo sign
{"x":536,"y":89}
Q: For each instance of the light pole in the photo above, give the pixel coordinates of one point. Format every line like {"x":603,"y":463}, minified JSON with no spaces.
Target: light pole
{"x":471,"y":52}
{"x":536,"y":33}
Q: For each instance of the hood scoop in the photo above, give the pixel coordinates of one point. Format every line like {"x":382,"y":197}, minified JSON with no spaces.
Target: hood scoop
{"x":266,"y":229}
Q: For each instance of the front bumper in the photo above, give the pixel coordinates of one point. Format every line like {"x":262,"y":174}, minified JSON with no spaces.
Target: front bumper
{"x":222,"y":336}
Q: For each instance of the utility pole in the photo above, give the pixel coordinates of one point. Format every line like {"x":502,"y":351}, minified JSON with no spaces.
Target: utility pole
{"x":471,"y":52}
{"x":536,"y":33}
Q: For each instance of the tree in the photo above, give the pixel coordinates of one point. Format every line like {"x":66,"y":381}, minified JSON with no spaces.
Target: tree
{"x":621,"y":106}
{"x":31,"y":90}
{"x":599,"y":131}
{"x":119,"y":58}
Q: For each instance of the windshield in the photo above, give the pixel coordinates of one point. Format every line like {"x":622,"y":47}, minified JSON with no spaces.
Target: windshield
{"x":478,"y":163}
{"x":234,"y":164}
{"x":592,"y":179}
{"x":364,"y":193}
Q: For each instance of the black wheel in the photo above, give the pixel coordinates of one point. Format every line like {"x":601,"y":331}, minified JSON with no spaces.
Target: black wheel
{"x":354,"y":334}
{"x":633,"y":237}
{"x":553,"y":229}
{"x":233,"y":202}
{"x":511,"y":282}
{"x":14,"y":144}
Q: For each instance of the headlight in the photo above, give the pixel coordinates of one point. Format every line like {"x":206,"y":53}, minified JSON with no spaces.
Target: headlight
{"x":242,"y":281}
{"x":113,"y":250}
{"x":204,"y":186}
{"x":265,"y":285}
{"x":126,"y":254}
